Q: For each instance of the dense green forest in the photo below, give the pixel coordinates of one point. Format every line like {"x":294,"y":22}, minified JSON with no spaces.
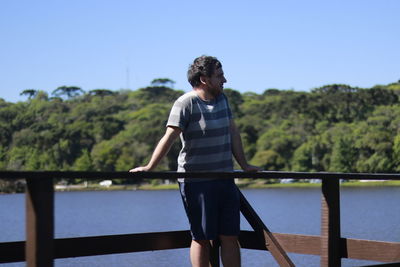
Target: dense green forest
{"x":332,"y":128}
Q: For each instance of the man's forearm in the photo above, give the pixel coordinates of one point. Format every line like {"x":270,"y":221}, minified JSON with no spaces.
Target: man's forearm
{"x":237,"y":150}
{"x":161,"y":149}
{"x":237,"y":147}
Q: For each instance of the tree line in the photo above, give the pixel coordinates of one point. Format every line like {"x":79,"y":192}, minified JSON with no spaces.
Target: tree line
{"x":332,"y":128}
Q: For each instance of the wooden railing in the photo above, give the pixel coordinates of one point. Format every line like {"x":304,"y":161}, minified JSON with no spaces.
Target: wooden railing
{"x":41,"y":248}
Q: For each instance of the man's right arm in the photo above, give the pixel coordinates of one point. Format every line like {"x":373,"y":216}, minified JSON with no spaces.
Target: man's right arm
{"x":161,"y":149}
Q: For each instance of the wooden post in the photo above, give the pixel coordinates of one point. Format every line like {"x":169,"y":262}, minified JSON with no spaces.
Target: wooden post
{"x":330,"y":223}
{"x":39,"y":250}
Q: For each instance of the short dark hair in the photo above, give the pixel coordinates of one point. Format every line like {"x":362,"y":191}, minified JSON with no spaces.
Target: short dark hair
{"x":202,"y":66}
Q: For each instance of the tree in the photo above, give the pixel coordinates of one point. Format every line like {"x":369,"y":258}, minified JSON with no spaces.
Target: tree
{"x":29,"y":92}
{"x":84,"y":162}
{"x":343,"y":155}
{"x":69,"y":91}
{"x":302,"y":158}
{"x":333,"y":128}
{"x":280,"y":140}
{"x":163,"y":82}
{"x":394,"y":86}
{"x":396,"y":153}
{"x":269,"y":160}
{"x":235,"y":100}
{"x":155,"y":94}
{"x":334,"y":102}
{"x":101,"y":92}
{"x":2,"y":158}
{"x":374,"y":139}
{"x":105,"y":155}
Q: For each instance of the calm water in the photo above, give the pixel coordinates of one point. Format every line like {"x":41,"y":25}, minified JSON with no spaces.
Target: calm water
{"x":367,"y":213}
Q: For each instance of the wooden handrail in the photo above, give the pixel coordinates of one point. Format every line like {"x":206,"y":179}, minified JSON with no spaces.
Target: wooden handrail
{"x":40,"y":248}
{"x":174,"y":175}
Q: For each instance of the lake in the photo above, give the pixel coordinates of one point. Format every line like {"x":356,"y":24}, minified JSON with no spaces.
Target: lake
{"x":367,"y":213}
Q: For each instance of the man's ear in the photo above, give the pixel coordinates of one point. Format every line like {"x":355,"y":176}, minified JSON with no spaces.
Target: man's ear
{"x":203,"y":80}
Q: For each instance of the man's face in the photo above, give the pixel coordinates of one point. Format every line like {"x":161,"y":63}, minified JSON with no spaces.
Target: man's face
{"x":215,"y":83}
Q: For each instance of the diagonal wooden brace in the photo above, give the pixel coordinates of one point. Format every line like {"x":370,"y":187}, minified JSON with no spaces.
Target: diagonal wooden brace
{"x":271,"y":243}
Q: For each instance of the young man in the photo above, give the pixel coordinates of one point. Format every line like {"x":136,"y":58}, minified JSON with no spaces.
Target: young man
{"x":203,"y":120}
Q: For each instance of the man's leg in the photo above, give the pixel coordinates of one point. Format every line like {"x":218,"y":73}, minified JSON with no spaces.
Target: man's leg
{"x":200,"y":253}
{"x":229,"y":223}
{"x":199,"y":199}
{"x":230,"y":251}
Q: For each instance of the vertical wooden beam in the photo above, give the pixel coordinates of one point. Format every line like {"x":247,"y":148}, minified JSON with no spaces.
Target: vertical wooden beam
{"x":330,"y":223}
{"x":271,"y":243}
{"x":39,"y":250}
{"x":214,"y":253}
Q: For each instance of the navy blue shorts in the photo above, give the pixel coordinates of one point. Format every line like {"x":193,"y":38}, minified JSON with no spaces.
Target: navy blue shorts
{"x":212,"y":207}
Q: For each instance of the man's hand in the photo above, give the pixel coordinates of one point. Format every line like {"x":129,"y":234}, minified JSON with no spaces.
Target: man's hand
{"x":251,"y":168}
{"x":140,"y":169}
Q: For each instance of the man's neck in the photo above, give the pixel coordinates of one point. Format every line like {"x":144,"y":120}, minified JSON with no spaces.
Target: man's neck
{"x":204,"y":94}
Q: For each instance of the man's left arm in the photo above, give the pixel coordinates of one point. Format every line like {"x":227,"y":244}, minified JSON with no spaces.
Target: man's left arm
{"x":237,"y":149}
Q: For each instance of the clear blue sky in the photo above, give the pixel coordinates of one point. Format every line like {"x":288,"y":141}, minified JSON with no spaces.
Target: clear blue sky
{"x":115,"y":44}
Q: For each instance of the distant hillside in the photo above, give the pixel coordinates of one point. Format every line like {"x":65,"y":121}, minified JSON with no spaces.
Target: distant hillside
{"x":332,"y":128}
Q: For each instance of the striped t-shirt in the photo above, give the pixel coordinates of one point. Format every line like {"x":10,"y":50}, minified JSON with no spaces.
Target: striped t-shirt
{"x":206,"y":139}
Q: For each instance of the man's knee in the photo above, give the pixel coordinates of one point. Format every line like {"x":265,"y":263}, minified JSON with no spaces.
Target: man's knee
{"x":201,"y":243}
{"x":228,"y":239}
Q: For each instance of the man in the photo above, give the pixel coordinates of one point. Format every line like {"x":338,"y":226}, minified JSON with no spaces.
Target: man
{"x":203,"y":120}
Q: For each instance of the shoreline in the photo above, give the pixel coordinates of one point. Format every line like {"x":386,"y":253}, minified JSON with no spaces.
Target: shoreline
{"x":241,"y":185}
{"x":174,"y":186}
